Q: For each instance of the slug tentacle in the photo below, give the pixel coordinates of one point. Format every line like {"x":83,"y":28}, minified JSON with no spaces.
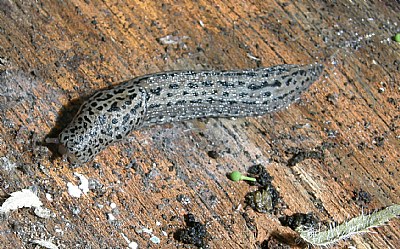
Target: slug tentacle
{"x":110,"y":115}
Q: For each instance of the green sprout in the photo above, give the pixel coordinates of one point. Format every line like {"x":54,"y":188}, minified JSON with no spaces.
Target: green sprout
{"x":397,"y":37}
{"x":237,"y":176}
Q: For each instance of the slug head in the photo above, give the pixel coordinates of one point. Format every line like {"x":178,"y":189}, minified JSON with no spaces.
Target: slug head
{"x":106,"y":117}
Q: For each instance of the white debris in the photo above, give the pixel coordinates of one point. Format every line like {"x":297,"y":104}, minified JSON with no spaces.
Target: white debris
{"x":6,"y":164}
{"x":49,"y":197}
{"x":84,"y":186}
{"x":42,"y":212}
{"x":77,"y":191}
{"x":131,"y":244}
{"x":201,"y":23}
{"x":155,"y":239}
{"x":147,"y":230}
{"x":172,"y":39}
{"x":45,"y":243}
{"x":58,"y":230}
{"x":113,"y":205}
{"x":253,"y":57}
{"x":74,"y":190}
{"x":20,"y":199}
{"x":111,"y":217}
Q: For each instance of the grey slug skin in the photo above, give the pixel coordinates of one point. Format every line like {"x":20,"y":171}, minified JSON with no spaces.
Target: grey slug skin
{"x":110,"y":115}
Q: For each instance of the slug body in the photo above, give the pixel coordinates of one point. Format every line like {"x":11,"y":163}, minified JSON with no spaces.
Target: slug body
{"x":110,"y":115}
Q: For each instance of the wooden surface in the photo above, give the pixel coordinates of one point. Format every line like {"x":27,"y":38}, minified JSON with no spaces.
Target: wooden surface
{"x":53,"y":53}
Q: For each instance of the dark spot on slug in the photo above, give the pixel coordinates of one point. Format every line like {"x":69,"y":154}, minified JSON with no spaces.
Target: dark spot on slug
{"x":132,"y":90}
{"x":180,"y":102}
{"x":174,"y":86}
{"x":249,"y":102}
{"x":86,"y":118}
{"x":207,"y":83}
{"x":156,"y":91}
{"x":232,"y":102}
{"x":152,"y":106}
{"x":118,"y":91}
{"x":226,"y":84}
{"x":264,"y":84}
{"x":192,"y":85}
{"x":97,"y":95}
{"x":267,"y":94}
{"x":132,"y":96}
{"x":125,"y":119}
{"x":197,"y":101}
{"x":114,"y":107}
{"x":90,"y":111}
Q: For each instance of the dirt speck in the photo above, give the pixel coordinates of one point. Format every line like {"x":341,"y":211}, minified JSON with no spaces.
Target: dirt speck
{"x":361,"y":197}
{"x":194,"y":233}
{"x":299,"y":219}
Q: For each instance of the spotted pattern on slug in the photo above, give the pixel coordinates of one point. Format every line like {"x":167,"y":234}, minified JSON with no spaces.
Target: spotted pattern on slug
{"x":109,"y":115}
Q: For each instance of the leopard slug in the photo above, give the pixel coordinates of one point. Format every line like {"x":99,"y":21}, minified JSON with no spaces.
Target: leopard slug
{"x":110,"y":115}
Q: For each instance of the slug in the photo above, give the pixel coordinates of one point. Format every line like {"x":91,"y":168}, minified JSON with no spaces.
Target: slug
{"x":110,"y":115}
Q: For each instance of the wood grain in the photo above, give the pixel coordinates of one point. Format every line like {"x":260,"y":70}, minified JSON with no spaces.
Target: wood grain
{"x":53,"y":54}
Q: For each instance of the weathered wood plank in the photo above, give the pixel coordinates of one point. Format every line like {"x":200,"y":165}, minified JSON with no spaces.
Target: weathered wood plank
{"x":52,"y":54}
